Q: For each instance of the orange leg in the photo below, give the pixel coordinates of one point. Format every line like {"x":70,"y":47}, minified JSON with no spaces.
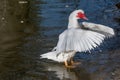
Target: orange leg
{"x":74,"y":63}
{"x":68,"y":66}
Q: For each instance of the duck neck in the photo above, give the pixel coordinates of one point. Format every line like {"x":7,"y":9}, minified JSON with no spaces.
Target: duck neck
{"x":73,"y":23}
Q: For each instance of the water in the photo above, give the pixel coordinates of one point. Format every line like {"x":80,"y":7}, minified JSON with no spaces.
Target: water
{"x":22,"y":43}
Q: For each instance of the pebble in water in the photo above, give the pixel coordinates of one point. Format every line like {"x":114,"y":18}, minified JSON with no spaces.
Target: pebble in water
{"x":23,"y":2}
{"x":3,"y":18}
{"x":66,"y":6}
{"x":21,"y":21}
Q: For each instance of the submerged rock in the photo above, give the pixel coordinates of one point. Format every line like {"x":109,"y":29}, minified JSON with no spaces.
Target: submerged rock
{"x":117,"y":19}
{"x":118,"y":5}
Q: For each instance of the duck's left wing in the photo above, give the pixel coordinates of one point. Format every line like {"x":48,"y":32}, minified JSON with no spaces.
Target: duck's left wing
{"x":105,"y":30}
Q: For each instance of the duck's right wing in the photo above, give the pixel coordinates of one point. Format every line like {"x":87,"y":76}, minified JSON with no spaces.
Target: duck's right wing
{"x":79,"y":40}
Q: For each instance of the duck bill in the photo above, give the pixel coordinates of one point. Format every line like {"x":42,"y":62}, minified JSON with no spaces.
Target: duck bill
{"x":85,"y":18}
{"x":82,"y":16}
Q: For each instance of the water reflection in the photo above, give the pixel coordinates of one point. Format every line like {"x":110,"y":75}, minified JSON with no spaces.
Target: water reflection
{"x":68,"y":74}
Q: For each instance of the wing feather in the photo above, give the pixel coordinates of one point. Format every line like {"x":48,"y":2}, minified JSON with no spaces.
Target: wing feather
{"x":79,"y":40}
{"x":105,"y":30}
{"x":88,"y":44}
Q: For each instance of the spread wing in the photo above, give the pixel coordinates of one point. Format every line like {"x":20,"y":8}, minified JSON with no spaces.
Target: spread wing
{"x":105,"y":30}
{"x":79,"y":40}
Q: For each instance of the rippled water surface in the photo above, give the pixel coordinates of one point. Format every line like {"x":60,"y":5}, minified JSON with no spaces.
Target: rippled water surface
{"x":22,"y":43}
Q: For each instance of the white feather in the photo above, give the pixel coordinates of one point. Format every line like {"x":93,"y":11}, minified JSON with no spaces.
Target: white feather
{"x":59,"y":57}
{"x":107,"y":31}
{"x":78,"y":40}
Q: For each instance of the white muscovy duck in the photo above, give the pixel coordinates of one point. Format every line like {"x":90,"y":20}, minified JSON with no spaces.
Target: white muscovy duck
{"x":78,"y":38}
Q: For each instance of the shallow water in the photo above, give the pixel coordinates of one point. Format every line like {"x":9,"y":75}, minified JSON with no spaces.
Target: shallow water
{"x":22,"y":44}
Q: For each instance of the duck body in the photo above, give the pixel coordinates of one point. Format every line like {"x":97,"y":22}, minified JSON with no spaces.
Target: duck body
{"x":78,"y":38}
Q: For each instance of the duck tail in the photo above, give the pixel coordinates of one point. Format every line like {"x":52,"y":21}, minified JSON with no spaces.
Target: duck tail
{"x":53,"y":55}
